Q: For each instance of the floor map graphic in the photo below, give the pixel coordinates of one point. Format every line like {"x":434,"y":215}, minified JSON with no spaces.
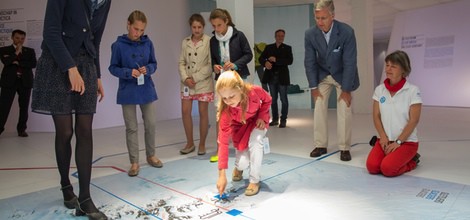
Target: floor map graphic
{"x":291,"y":186}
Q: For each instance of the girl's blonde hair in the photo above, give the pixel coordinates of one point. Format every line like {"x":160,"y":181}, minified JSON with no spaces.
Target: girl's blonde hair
{"x":232,"y":80}
{"x":137,"y":16}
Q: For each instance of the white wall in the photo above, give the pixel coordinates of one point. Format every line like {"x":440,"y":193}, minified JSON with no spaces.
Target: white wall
{"x":437,"y":41}
{"x":380,"y":51}
{"x":167,"y":26}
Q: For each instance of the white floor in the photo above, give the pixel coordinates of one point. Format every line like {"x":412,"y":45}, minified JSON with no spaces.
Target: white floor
{"x":28,"y":164}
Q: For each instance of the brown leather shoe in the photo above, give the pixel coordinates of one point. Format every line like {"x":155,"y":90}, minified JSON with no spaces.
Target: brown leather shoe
{"x":237,"y":175}
{"x":318,"y":151}
{"x":22,"y":134}
{"x":345,"y":155}
{"x":154,"y":162}
{"x":134,"y":170}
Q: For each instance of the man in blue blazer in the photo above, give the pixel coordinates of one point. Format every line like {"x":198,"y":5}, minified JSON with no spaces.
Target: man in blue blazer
{"x":331,"y":62}
{"x":17,"y":77}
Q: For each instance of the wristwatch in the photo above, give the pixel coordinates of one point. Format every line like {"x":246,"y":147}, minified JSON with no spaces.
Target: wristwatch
{"x":399,"y":142}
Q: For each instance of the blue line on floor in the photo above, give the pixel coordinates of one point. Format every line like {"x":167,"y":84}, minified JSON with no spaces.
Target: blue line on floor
{"x":308,"y":163}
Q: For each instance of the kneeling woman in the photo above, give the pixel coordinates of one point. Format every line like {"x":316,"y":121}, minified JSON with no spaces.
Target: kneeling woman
{"x":396,"y":112}
{"x":243,"y":115}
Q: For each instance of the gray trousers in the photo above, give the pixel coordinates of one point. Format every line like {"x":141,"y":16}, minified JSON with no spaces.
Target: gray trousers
{"x":132,"y":137}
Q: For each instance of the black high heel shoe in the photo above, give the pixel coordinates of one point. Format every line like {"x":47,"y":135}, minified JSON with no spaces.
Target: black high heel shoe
{"x":91,"y":215}
{"x":73,"y":202}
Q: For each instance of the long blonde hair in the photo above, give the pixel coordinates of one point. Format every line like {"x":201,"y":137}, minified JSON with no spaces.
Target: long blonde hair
{"x":232,"y":80}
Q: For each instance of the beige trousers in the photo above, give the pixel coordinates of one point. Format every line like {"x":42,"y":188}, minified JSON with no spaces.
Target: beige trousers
{"x":150,"y":120}
{"x":320,"y":120}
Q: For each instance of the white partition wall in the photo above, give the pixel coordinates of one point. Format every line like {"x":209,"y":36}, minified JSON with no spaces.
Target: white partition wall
{"x":437,"y":39}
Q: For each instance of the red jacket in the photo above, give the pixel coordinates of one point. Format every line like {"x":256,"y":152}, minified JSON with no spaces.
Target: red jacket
{"x":230,"y":125}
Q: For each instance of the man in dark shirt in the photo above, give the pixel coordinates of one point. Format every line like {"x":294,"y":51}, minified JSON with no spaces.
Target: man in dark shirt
{"x":17,"y":77}
{"x":275,"y":59}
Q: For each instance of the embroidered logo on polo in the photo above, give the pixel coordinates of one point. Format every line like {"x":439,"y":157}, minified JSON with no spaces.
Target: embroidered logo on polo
{"x":382,"y":99}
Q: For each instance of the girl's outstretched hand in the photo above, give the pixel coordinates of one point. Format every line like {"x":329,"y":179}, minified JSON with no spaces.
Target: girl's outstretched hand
{"x":221,"y":182}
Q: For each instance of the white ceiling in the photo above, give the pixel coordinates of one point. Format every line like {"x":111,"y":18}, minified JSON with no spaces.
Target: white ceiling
{"x":384,"y":11}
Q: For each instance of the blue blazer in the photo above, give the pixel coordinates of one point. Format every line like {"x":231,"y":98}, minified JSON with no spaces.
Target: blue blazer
{"x":66,"y":30}
{"x":338,"y":58}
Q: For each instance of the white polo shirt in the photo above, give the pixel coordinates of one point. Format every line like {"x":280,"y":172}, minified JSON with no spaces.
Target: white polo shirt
{"x":395,"y":111}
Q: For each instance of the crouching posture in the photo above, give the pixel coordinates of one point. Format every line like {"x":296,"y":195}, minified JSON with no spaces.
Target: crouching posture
{"x":243,"y":115}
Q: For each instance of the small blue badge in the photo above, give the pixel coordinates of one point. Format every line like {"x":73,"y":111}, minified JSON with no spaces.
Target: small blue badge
{"x":382,"y":99}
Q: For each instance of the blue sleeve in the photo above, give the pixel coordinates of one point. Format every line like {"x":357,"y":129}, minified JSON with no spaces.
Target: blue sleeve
{"x":52,"y":34}
{"x":100,"y":18}
{"x":116,"y":67}
{"x":349,"y":62}
{"x":152,"y":63}
{"x":310,"y":60}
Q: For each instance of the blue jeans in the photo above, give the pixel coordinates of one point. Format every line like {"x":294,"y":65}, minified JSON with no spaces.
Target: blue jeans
{"x":275,"y":89}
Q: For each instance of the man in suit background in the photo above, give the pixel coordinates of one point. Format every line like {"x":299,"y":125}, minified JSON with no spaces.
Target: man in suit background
{"x":331,"y":62}
{"x":275,"y":59}
{"x":17,"y":77}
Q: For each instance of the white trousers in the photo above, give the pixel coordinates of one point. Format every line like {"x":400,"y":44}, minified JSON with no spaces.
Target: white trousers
{"x":320,"y":120}
{"x":252,"y":157}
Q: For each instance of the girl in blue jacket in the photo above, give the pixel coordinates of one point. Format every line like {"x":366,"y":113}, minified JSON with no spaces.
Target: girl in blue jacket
{"x":133,"y":62}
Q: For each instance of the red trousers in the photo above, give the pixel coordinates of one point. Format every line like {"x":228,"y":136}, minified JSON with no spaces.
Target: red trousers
{"x":393,"y":164}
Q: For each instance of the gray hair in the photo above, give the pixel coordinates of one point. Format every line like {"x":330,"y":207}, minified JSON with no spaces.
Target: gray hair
{"x":325,"y":4}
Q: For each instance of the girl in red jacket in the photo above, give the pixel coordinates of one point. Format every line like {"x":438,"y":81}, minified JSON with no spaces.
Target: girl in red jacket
{"x":243,"y":116}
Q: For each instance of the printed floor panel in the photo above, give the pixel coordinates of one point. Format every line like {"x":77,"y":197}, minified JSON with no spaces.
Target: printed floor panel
{"x":291,"y":188}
